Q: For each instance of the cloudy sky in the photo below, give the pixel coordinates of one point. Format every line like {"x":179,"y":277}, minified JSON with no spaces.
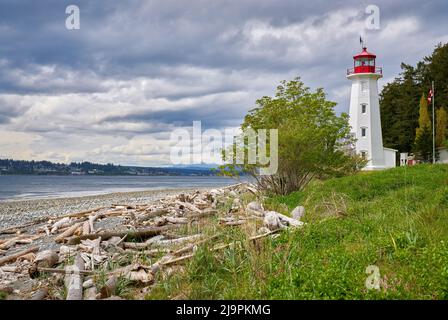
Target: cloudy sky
{"x":114,"y":90}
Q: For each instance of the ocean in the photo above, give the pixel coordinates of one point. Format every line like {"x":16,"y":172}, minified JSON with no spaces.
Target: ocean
{"x":21,"y":187}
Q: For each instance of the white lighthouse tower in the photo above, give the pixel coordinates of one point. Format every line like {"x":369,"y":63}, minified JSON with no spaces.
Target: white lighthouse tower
{"x":365,"y":118}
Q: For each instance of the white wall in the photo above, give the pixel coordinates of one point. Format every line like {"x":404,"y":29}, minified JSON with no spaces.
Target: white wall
{"x":443,"y":156}
{"x":367,"y":93}
{"x":390,"y":158}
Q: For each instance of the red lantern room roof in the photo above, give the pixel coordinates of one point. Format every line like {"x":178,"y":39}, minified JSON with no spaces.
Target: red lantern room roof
{"x":364,"y":63}
{"x":364,"y":54}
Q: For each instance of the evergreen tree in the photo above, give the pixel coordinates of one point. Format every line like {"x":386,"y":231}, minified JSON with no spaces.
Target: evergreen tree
{"x":398,"y":99}
{"x":441,"y":127}
{"x":399,"y":116}
{"x":423,"y":135}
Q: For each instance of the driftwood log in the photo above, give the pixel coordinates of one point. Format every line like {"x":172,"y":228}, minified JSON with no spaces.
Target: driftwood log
{"x":40,"y":294}
{"x":138,"y":233}
{"x":15,"y":256}
{"x":69,"y":232}
{"x":74,"y":280}
{"x":46,"y":259}
{"x":35,"y":271}
{"x":152,"y":214}
{"x":109,"y":287}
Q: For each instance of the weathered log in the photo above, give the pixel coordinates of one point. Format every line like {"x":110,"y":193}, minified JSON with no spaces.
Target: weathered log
{"x":136,"y":245}
{"x":27,"y":257}
{"x":46,"y":258}
{"x":234,"y":223}
{"x":90,"y":293}
{"x":15,"y":256}
{"x":272,"y":221}
{"x":109,"y":287}
{"x":40,"y":294}
{"x":203,"y":214}
{"x":289,"y":221}
{"x":113,"y":298}
{"x":74,"y":281}
{"x":59,"y":224}
{"x":8,"y":243}
{"x":176,"y":220}
{"x":191,"y":246}
{"x":92,"y":220}
{"x":10,"y":231}
{"x":12,"y":269}
{"x":82,"y":213}
{"x":21,"y":239}
{"x":85,"y":228}
{"x":189,"y":206}
{"x":32,"y":223}
{"x":169,"y":242}
{"x":168,"y":260}
{"x":150,"y":253}
{"x":138,"y":233}
{"x":35,"y":272}
{"x":67,"y":233}
{"x":124,"y":206}
{"x":152,"y":214}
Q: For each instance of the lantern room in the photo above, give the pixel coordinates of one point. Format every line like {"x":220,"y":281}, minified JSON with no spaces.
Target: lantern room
{"x":364,"y":63}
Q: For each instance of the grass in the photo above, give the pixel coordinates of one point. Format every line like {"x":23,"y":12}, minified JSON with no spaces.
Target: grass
{"x":396,"y":220}
{"x":3,"y":295}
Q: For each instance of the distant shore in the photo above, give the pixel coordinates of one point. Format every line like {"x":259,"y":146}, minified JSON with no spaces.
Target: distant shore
{"x":17,"y":212}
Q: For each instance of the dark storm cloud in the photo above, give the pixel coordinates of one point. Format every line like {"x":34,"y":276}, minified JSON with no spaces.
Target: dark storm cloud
{"x":134,"y":38}
{"x":216,"y":116}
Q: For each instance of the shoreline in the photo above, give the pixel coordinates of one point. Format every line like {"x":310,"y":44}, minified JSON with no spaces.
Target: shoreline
{"x":91,"y":194}
{"x":20,"y":211}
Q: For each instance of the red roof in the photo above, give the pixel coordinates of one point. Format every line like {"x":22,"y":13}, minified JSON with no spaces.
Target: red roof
{"x":364,"y":54}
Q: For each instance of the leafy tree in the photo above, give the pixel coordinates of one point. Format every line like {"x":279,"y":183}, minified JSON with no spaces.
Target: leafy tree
{"x":312,"y":140}
{"x":441,"y":126}
{"x":423,"y":136}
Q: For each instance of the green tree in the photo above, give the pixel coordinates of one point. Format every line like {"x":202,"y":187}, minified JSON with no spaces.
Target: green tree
{"x":423,"y":135}
{"x":312,"y":140}
{"x":398,"y":99}
{"x":441,"y":126}
{"x":399,"y":117}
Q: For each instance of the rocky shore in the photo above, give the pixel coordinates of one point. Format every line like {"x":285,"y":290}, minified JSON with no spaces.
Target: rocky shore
{"x":119,"y":246}
{"x":19,"y":212}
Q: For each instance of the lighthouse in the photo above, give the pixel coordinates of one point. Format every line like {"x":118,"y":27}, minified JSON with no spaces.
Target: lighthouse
{"x":365,"y":120}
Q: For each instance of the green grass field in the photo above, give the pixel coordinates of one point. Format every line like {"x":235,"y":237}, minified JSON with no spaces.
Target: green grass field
{"x":396,"y":220}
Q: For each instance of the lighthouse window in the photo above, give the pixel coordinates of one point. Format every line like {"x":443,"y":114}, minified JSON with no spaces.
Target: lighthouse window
{"x":364,"y":86}
{"x":364,"y":154}
{"x":363,"y":108}
{"x":363,"y":132}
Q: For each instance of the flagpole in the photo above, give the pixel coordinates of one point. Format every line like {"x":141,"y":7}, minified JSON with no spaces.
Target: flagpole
{"x":433,"y":127}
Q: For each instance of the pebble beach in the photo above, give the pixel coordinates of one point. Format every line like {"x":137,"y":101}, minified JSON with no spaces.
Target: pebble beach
{"x":19,"y":212}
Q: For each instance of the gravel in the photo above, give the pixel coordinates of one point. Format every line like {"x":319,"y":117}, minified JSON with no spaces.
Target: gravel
{"x":15,"y":213}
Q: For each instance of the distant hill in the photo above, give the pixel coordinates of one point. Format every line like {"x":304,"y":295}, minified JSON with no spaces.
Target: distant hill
{"x":9,"y":166}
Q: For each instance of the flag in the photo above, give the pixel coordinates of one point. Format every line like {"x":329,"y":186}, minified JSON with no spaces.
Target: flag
{"x":430,"y":95}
